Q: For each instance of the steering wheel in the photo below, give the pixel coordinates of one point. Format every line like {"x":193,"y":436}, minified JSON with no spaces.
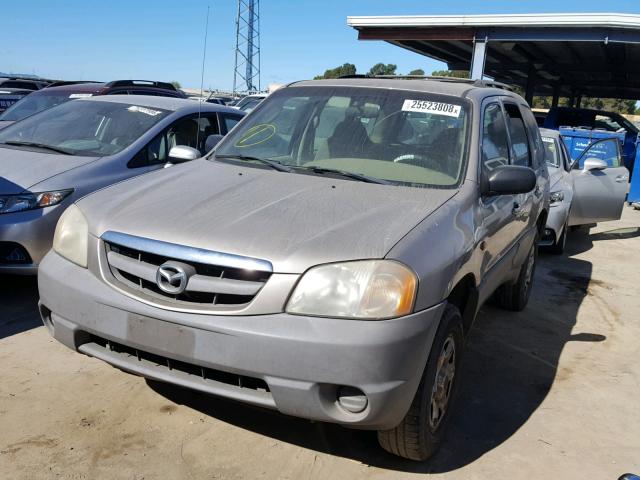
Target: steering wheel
{"x":410,"y":158}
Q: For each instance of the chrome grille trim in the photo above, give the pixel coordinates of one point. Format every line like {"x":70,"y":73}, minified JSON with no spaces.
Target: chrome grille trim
{"x":197,"y":283}
{"x":188,"y":254}
{"x":131,"y":265}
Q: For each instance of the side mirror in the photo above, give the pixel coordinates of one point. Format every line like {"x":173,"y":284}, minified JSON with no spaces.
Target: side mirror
{"x":509,"y":180}
{"x":594,"y":164}
{"x":182,"y":153}
{"x":212,"y":141}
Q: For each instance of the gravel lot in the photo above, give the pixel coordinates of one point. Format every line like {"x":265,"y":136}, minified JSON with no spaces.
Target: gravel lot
{"x":551,"y":392}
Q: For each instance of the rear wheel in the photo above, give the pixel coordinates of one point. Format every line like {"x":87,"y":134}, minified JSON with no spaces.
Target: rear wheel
{"x":515,"y":296}
{"x":420,"y":433}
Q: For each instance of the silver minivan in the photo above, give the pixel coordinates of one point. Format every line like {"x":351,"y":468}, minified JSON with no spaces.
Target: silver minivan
{"x":326,"y":259}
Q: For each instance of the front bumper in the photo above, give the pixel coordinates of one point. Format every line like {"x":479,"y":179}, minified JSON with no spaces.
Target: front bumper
{"x":33,"y":231}
{"x":302,"y":360}
{"x":556,"y":222}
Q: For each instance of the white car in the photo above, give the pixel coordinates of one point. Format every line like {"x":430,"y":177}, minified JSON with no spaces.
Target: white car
{"x":250,"y":102}
{"x":584,"y":191}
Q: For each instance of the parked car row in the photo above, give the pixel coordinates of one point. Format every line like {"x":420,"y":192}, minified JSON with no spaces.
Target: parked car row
{"x":326,"y":258}
{"x":245,"y":104}
{"x":65,"y":91}
{"x":52,"y":158}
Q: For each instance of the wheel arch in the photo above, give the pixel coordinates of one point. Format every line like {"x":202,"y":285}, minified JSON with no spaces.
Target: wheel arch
{"x":464,"y":295}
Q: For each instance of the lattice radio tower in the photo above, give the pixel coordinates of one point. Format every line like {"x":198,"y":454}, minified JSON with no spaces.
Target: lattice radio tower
{"x":246,"y":77}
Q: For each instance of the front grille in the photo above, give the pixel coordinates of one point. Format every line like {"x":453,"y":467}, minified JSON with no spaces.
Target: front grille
{"x":218,"y":279}
{"x":210,"y":374}
{"x":12,"y":253}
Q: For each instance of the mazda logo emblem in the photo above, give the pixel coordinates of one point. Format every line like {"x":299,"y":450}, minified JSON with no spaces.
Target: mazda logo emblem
{"x":173,"y":277}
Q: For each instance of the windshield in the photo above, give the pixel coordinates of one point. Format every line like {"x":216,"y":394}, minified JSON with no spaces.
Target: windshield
{"x":614,"y":123}
{"x":85,"y":127}
{"x":247,"y":104}
{"x":551,"y":152}
{"x":403,"y":137}
{"x":31,"y":104}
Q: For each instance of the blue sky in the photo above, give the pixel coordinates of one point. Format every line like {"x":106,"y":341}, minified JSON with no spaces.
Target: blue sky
{"x":163,"y":39}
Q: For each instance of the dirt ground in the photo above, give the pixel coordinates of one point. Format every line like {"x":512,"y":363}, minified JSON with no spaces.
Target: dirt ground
{"x":549,"y":393}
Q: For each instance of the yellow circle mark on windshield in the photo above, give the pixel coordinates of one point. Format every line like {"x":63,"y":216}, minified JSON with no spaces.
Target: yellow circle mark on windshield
{"x":256,"y":135}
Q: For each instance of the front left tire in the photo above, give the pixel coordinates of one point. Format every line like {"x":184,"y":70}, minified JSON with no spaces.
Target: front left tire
{"x":420,"y":433}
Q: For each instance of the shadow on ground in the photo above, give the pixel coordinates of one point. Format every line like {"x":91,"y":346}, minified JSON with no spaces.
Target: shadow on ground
{"x":510,"y":365}
{"x":18,"y":304}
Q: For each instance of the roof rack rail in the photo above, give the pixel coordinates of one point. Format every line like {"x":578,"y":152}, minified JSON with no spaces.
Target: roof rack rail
{"x":63,"y":83}
{"x":141,"y":83}
{"x":21,"y":77}
{"x":475,"y":83}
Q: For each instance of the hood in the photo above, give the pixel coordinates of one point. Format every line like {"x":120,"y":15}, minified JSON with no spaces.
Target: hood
{"x":555,"y":175}
{"x":5,"y":123}
{"x":21,"y":169}
{"x":293,"y":220}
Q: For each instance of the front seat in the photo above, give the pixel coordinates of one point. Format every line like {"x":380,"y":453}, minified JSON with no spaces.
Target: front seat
{"x":350,"y":138}
{"x":184,"y":133}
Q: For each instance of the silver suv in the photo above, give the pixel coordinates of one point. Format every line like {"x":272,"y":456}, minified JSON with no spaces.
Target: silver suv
{"x":326,"y":260}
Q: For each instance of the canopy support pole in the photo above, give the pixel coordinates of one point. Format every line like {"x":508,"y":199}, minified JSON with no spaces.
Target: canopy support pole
{"x":478,"y":58}
{"x":556,"y":96}
{"x":529,"y":88}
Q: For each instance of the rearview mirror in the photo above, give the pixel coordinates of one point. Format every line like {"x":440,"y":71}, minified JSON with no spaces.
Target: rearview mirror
{"x":182,"y":153}
{"x":509,"y":180}
{"x":212,"y":141}
{"x":594,"y":164}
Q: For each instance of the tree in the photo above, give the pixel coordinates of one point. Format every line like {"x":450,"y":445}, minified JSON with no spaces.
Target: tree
{"x":382,"y":69}
{"x":417,"y":71}
{"x":176,"y":84}
{"x":617,"y":105}
{"x":341,"y":71}
{"x":451,"y":73}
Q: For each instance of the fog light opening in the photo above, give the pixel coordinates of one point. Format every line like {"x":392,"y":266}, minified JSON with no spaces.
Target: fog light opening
{"x":352,"y":399}
{"x":47,"y":319}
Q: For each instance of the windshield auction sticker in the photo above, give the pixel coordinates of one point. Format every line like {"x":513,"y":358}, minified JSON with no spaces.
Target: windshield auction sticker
{"x":81,"y":95}
{"x":436,"y":108}
{"x":146,"y":111}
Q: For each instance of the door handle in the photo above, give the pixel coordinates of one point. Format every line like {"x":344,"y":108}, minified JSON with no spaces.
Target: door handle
{"x":622,"y":178}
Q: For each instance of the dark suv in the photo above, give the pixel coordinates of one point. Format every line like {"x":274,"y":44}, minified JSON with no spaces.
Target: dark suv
{"x":61,"y":92}
{"x":10,"y":96}
{"x":24,"y":83}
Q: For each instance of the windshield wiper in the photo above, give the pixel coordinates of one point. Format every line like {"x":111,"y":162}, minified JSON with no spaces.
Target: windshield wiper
{"x":272,"y":163}
{"x":343,"y":173}
{"x":38,"y":145}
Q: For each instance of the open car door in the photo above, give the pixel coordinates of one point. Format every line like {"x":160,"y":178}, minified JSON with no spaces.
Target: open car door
{"x":600,"y":183}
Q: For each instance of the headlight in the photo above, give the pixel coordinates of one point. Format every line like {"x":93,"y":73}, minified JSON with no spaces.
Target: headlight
{"x":371,"y":289}
{"x":30,"y":201}
{"x":72,"y":236}
{"x":556,"y":197}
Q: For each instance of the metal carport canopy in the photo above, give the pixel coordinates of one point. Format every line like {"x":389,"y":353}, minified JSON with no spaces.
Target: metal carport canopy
{"x":569,"y":55}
